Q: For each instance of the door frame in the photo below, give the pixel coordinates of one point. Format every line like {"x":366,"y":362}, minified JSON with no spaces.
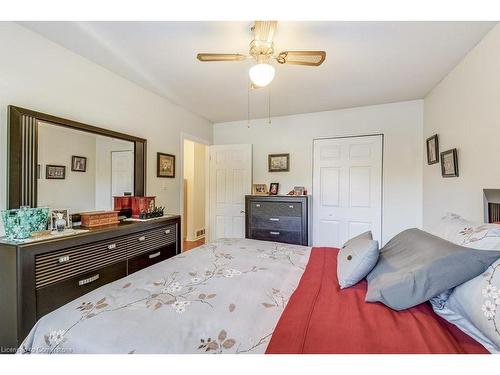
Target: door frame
{"x":193,"y":138}
{"x":381,"y":180}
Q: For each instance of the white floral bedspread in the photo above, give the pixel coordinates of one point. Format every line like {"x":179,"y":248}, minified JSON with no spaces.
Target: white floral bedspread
{"x":223,"y":297}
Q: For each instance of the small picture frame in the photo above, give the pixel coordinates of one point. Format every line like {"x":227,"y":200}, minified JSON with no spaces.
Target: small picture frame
{"x":78,"y":163}
{"x":259,"y":189}
{"x":55,"y":172}
{"x":278,"y":162}
{"x":274,"y":188}
{"x":449,"y":163}
{"x":165,"y":165}
{"x":432,"y":150}
{"x":53,"y":218}
{"x":298,"y":190}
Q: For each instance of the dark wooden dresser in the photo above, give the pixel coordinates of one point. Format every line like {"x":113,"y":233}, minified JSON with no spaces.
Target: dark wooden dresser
{"x":279,"y":218}
{"x":38,"y":277}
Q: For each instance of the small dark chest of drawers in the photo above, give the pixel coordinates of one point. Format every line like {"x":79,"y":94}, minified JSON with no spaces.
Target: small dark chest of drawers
{"x":277,"y":218}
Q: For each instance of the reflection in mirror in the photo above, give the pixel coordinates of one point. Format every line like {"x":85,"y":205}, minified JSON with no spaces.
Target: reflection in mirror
{"x":81,"y":171}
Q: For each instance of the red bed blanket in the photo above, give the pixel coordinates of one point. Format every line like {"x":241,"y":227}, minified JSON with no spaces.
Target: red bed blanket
{"x":322,"y":318}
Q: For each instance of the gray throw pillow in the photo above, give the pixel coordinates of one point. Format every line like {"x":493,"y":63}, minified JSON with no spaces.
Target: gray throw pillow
{"x":356,"y":258}
{"x":415,"y":266}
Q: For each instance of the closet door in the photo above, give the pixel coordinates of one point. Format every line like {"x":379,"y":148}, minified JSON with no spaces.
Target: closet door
{"x":347,"y":189}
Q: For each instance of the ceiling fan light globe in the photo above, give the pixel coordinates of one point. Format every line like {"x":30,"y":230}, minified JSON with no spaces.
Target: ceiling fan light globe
{"x":261,"y":75}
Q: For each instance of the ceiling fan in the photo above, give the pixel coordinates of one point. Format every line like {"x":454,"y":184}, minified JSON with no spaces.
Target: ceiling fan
{"x":262,"y":50}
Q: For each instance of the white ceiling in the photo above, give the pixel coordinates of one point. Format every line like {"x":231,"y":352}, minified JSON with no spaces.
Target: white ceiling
{"x":367,"y":62}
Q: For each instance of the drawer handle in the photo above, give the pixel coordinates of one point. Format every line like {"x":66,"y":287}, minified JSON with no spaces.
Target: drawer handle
{"x":155,"y":255}
{"x":141,"y":238}
{"x":88,"y":280}
{"x":167,"y":231}
{"x":257,"y":205}
{"x":274,"y":219}
{"x":291,"y":206}
{"x":275,"y":233}
{"x":112,"y":246}
{"x":64,"y":259}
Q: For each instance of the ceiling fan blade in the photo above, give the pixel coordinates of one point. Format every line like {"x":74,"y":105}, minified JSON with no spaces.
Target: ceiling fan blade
{"x":309,"y":58}
{"x":264,"y":30}
{"x":206,"y":57}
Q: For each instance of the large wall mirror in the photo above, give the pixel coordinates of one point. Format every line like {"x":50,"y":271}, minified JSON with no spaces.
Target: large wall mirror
{"x":60,"y":163}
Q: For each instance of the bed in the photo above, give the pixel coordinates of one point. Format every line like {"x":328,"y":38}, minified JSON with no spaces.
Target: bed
{"x":241,"y":296}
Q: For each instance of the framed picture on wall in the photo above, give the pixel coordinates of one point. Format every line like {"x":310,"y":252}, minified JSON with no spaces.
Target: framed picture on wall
{"x":279,"y":162}
{"x":165,"y":165}
{"x":55,"y":172}
{"x":432,"y":150}
{"x":449,"y":163}
{"x":78,"y":163}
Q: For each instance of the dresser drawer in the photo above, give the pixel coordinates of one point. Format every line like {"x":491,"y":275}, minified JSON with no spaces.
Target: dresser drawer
{"x":149,"y":258}
{"x":276,"y":223}
{"x":273,"y":209}
{"x":51,"y":297}
{"x":149,"y":240}
{"x":276,"y":235}
{"x":59,"y":265}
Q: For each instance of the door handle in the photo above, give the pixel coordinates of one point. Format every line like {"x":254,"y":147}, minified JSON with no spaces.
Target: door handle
{"x":242,"y":212}
{"x":64,"y":259}
{"x":88,"y":280}
{"x":151,"y":256}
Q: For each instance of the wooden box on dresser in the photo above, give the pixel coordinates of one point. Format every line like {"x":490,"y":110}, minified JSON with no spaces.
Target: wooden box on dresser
{"x":280,"y":218}
{"x":38,"y":277}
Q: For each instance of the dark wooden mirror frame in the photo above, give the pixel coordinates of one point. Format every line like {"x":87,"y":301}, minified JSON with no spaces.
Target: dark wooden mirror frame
{"x":23,"y":153}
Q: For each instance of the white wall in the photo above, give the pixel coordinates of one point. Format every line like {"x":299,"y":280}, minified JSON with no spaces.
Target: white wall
{"x":41,"y":75}
{"x":464,"y":111}
{"x":401,"y":124}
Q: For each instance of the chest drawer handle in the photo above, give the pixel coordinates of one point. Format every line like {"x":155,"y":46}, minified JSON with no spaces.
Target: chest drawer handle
{"x":112,"y":246}
{"x":141,"y":238}
{"x":275,"y":233}
{"x":151,"y":256}
{"x":167,"y":231}
{"x":291,"y":206}
{"x":274,"y":219}
{"x":64,"y":259}
{"x":257,"y":205}
{"x":88,"y":280}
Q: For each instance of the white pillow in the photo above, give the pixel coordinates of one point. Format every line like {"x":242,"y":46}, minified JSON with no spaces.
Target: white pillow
{"x":356,"y":259}
{"x":467,"y":233}
{"x":474,"y":307}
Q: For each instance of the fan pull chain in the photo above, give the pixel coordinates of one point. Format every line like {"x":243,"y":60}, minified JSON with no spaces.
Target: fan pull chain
{"x":269,"y":103}
{"x":248,"y":104}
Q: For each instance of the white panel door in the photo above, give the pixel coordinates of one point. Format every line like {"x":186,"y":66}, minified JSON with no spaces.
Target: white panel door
{"x":229,"y":181}
{"x":347,"y":189}
{"x":122,"y":173}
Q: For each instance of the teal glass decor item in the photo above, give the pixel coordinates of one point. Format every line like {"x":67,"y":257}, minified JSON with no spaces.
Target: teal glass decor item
{"x":20,"y":223}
